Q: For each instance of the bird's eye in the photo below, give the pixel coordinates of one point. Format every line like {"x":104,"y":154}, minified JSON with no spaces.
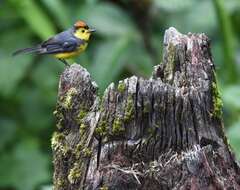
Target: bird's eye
{"x":83,"y":31}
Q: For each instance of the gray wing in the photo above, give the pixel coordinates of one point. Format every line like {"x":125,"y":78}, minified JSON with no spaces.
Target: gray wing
{"x":62,"y":42}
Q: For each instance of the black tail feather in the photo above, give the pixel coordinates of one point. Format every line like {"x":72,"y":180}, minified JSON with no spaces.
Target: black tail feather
{"x":28,"y":50}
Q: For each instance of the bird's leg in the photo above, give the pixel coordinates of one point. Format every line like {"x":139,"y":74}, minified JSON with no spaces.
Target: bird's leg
{"x":65,"y":62}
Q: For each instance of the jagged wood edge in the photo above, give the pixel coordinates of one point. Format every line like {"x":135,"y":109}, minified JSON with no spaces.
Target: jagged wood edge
{"x":134,"y":110}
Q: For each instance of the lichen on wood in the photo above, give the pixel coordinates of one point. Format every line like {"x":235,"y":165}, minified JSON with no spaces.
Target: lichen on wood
{"x":165,"y":132}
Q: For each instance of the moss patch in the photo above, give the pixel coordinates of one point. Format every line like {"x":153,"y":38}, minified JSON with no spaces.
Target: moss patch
{"x":67,"y":102}
{"x":117,"y":127}
{"x":82,"y":113}
{"x":102,"y":127}
{"x":82,"y":129}
{"x":217,"y":101}
{"x":59,"y":123}
{"x":87,"y":152}
{"x":170,"y":65}
{"x":129,"y":111}
{"x":57,"y":143}
{"x":121,"y":86}
{"x":74,"y":173}
{"x":59,"y":184}
{"x":78,"y":150}
{"x":59,"y":117}
{"x":57,"y":138}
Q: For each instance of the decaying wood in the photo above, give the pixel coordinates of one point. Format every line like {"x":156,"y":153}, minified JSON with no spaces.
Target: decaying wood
{"x":165,"y":132}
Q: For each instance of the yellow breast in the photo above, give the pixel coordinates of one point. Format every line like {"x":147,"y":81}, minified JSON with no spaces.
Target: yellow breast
{"x":66,"y":55}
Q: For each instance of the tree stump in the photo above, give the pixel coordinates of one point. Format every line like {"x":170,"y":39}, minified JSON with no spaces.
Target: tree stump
{"x":165,"y":132}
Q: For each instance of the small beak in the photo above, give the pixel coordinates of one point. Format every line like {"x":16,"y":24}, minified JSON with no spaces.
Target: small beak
{"x":91,"y":30}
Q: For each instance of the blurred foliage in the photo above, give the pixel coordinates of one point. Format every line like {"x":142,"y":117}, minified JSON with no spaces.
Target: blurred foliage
{"x":128,"y":41}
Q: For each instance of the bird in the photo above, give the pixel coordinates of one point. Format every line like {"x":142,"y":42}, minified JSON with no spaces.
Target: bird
{"x":64,"y":45}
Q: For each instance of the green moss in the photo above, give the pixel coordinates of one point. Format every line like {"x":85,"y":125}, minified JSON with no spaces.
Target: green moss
{"x":82,"y":113}
{"x":59,"y":123}
{"x":87,"y":152}
{"x":117,"y":127}
{"x":59,"y":117}
{"x":57,"y":143}
{"x":78,"y":150}
{"x":102,"y":127}
{"x":146,"y":108}
{"x":74,"y":173}
{"x":129,"y":111}
{"x":59,"y":183}
{"x":67,"y":102}
{"x":79,"y":147}
{"x":57,"y":138}
{"x":121,"y":86}
{"x":217,"y":101}
{"x":55,"y":112}
{"x":101,"y":106}
{"x":171,"y":55}
{"x":81,"y":152}
{"x":170,"y":62}
{"x":82,"y":129}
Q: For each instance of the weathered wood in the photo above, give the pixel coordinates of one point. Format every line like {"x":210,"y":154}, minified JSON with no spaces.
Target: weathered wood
{"x":165,"y":132}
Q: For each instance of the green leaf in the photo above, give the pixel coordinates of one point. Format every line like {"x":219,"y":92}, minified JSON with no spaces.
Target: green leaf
{"x":218,"y":58}
{"x":59,"y":11}
{"x":33,"y":108}
{"x":13,"y":69}
{"x":7,"y":131}
{"x":47,"y":187}
{"x":234,"y":137}
{"x":229,"y":41}
{"x":9,"y":82}
{"x":233,"y":5}
{"x":173,"y":5}
{"x":49,"y":70}
{"x":36,"y":18}
{"x":37,"y":101}
{"x":6,"y":18}
{"x":92,"y":1}
{"x":192,"y":20}
{"x":142,"y":63}
{"x":24,"y":167}
{"x":231,"y":96}
{"x":107,"y":63}
{"x":108,"y":19}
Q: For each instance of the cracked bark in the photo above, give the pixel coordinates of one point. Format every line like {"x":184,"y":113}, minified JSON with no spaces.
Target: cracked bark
{"x":165,"y":132}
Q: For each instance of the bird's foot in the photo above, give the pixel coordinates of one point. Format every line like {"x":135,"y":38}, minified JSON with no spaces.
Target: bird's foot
{"x":65,"y":62}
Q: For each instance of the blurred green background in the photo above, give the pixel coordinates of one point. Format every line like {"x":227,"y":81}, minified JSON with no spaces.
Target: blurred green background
{"x":128,"y":41}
